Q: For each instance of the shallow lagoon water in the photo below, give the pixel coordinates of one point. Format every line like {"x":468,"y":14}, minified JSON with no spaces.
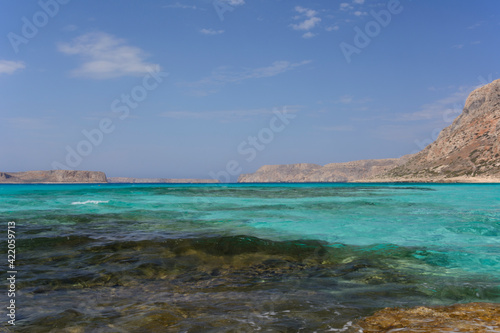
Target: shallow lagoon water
{"x":246,"y":257}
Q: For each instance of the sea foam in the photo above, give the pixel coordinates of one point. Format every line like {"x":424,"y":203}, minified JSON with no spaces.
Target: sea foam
{"x":95,"y":202}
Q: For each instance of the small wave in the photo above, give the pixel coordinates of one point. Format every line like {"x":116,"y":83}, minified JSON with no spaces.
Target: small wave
{"x":95,"y":202}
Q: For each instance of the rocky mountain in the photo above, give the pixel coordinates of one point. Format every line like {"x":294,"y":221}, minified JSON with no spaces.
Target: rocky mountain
{"x":161,"y":180}
{"x":53,"y":176}
{"x":333,"y":172}
{"x":468,"y":150}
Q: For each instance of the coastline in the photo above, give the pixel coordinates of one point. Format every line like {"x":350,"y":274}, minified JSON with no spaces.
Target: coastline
{"x":458,"y":180}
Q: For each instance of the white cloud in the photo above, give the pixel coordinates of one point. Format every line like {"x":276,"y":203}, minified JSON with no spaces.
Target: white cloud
{"x":309,"y":16}
{"x":106,"y":56}
{"x":223,"y":75}
{"x":211,"y":31}
{"x":306,"y":11}
{"x":345,"y":6}
{"x":308,"y":35}
{"x":359,"y":2}
{"x":458,"y":46}
{"x":9,"y":67}
{"x":307,"y":24}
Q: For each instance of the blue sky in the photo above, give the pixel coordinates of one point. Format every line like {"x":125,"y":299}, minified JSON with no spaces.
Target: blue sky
{"x":207,"y":88}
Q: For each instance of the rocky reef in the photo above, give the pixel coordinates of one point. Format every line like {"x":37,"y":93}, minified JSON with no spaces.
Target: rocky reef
{"x":466,"y":318}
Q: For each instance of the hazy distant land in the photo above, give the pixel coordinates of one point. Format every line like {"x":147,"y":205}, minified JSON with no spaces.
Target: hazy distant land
{"x":161,"y":180}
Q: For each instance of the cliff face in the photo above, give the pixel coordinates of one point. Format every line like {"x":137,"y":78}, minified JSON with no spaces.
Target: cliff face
{"x":467,"y":149}
{"x":334,"y":172}
{"x":161,"y":180}
{"x":53,"y":176}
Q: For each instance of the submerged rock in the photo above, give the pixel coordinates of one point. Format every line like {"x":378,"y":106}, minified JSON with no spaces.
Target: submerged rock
{"x":470,"y":318}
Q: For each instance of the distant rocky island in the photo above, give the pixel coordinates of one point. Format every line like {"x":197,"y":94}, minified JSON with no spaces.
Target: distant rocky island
{"x":53,"y":176}
{"x":467,"y":151}
{"x":70,"y":176}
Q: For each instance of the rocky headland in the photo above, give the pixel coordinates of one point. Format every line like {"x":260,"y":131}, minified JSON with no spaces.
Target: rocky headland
{"x":467,"y":151}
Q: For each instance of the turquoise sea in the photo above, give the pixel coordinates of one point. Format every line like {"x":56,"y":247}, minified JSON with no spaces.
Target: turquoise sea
{"x":244,"y":258}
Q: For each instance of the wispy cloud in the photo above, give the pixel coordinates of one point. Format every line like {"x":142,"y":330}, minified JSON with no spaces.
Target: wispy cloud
{"x":476,"y":25}
{"x":28,"y":123}
{"x":9,"y":67}
{"x":345,"y":6}
{"x":308,"y":20}
{"x":179,"y":5}
{"x":225,"y":115}
{"x":354,"y":7}
{"x":332,"y":28}
{"x":360,"y":13}
{"x":211,"y":31}
{"x":351,"y":100}
{"x":70,"y":28}
{"x":346,"y":99}
{"x":338,"y":128}
{"x":453,"y":103}
{"x":233,"y":2}
{"x":223,"y":75}
{"x":105,"y":56}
